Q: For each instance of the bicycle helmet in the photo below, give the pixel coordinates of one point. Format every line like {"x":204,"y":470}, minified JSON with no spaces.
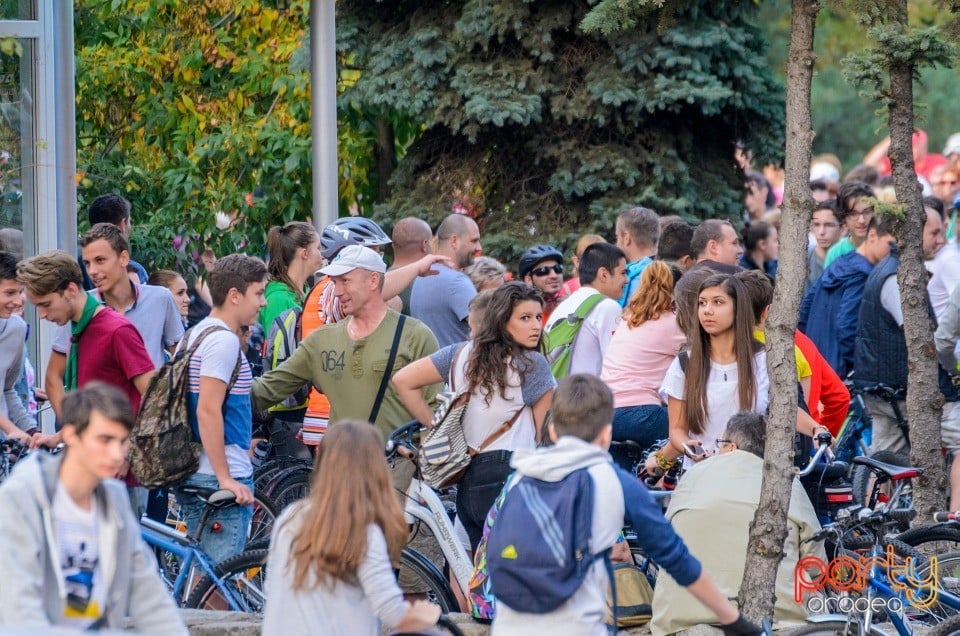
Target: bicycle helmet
{"x":350,"y":230}
{"x":535,"y":255}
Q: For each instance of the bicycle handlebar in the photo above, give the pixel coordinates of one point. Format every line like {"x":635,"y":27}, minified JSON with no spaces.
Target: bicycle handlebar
{"x":403,"y":436}
{"x":824,"y":449}
{"x":941,"y":517}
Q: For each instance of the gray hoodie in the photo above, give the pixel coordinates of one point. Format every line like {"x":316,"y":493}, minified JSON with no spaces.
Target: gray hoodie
{"x":32,"y":592}
{"x":618,"y":497}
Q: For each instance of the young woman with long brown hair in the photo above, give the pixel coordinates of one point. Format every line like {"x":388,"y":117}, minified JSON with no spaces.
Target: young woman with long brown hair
{"x":724,"y":372}
{"x":643,"y":346}
{"x":510,"y":388}
{"x":330,"y":565}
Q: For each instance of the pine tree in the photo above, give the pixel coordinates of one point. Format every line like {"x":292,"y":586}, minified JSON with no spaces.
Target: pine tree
{"x":544,"y":131}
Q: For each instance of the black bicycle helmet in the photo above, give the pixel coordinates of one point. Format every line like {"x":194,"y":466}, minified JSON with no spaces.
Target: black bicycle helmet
{"x":350,"y":230}
{"x":535,"y":255}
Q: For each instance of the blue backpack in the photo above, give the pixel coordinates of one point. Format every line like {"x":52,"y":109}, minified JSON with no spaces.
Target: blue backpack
{"x":540,"y":548}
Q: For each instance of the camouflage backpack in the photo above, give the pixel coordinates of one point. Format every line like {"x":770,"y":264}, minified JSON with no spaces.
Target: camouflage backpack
{"x":164,"y":449}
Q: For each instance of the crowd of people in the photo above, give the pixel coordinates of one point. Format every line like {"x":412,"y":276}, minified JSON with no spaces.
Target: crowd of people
{"x":667,"y":352}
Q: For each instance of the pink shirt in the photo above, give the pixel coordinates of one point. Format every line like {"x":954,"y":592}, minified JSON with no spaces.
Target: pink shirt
{"x":637,"y":360}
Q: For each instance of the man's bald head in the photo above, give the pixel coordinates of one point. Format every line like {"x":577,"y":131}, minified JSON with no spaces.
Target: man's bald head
{"x":458,"y":237}
{"x":410,"y":233}
{"x":454,"y":225}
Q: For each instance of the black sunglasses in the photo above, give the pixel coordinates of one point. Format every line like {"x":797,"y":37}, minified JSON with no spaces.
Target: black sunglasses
{"x":546,"y":269}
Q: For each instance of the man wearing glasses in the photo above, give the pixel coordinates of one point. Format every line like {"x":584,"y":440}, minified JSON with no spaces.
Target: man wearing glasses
{"x":854,"y":210}
{"x":541,"y":266}
{"x":711,"y":510}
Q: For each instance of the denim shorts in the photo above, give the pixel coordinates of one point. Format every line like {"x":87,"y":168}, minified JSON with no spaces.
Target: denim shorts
{"x":234,"y":520}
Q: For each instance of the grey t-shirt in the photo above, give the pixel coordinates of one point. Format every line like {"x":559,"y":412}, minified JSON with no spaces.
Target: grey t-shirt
{"x":537,"y":378}
{"x":440,"y":302}
{"x":814,"y":268}
{"x":155,"y":315}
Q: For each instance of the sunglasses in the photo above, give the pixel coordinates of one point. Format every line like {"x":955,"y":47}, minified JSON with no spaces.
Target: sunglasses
{"x":546,"y":269}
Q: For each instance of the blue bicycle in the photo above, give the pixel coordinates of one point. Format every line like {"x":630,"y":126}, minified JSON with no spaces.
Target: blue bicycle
{"x":192,"y":577}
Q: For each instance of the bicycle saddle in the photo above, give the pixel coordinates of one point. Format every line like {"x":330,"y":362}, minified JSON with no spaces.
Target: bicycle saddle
{"x":212,"y":496}
{"x":892,"y":471}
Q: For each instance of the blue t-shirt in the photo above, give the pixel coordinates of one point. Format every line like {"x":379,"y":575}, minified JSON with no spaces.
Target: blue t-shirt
{"x":634,"y":270}
{"x":440,"y":302}
{"x":217,"y":357}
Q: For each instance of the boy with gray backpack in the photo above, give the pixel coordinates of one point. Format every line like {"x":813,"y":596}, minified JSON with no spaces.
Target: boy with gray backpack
{"x":548,"y":551}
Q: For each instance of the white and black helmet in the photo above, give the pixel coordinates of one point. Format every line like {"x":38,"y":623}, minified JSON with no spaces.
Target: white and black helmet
{"x":351,"y":230}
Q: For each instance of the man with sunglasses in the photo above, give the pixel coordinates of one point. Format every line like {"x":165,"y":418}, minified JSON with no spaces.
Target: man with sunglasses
{"x":541,"y":266}
{"x":711,"y":510}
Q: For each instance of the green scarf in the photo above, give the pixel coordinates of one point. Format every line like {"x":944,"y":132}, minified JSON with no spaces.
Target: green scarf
{"x":76,"y":328}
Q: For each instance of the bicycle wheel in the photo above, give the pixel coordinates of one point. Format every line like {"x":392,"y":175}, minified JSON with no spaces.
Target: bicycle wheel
{"x":243,"y":578}
{"x":831,"y":628}
{"x":417,"y":573}
{"x":293,"y":486}
{"x":264,"y":514}
{"x":949,"y":627}
{"x":935,"y":539}
{"x":948,"y":580}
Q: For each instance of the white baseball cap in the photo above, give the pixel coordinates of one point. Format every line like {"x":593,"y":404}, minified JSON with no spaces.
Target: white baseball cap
{"x":354,"y":257}
{"x":953,"y":145}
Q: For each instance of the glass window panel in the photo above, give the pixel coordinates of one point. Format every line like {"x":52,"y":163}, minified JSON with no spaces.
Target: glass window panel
{"x":18,"y":9}
{"x":17,"y":146}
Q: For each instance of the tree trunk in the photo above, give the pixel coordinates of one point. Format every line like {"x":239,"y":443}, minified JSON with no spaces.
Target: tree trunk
{"x":924,"y":400}
{"x":385,"y":151}
{"x":768,"y":531}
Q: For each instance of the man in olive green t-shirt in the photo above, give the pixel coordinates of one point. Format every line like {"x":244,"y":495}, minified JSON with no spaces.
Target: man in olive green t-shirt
{"x":347,"y":360}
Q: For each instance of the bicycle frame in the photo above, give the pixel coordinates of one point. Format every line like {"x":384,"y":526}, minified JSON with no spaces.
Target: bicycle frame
{"x":878,"y":586}
{"x":184,"y":548}
{"x":423,"y":504}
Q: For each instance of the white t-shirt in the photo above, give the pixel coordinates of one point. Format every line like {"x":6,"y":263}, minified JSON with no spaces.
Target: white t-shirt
{"x":945,"y":275}
{"x":216,"y":357}
{"x":595,"y":332}
{"x":722,"y":398}
{"x":79,"y":547}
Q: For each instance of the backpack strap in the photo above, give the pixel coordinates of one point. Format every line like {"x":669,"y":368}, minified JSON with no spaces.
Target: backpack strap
{"x":500,"y":432}
{"x":584,"y":310}
{"x":388,"y":371}
{"x":608,"y":565}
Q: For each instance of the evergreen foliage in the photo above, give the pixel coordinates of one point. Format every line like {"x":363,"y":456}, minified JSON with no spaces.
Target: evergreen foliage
{"x":545,"y":132}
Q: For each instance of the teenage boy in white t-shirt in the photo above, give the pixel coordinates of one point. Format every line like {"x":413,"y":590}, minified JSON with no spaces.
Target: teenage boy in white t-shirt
{"x":602,"y":270}
{"x":77,"y":560}
{"x":220,"y":410}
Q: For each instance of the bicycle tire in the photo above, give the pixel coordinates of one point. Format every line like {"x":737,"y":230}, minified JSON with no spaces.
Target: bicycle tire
{"x":949,"y":627}
{"x":946,"y":536}
{"x":270,"y":487}
{"x":264,"y":514}
{"x":292,"y":487}
{"x":415,"y":567}
{"x":830,"y":628}
{"x":948,"y":580}
{"x":246,"y":572}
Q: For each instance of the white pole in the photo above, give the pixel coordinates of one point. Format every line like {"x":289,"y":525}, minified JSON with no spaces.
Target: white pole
{"x":323,"y":97}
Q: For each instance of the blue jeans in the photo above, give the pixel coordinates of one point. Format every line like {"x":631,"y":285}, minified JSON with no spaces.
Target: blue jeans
{"x":234,"y":520}
{"x":644,"y":425}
